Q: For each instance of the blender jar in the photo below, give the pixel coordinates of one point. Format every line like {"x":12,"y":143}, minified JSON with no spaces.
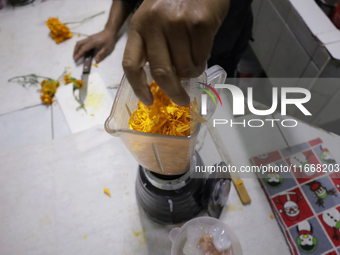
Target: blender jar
{"x":163,"y":154}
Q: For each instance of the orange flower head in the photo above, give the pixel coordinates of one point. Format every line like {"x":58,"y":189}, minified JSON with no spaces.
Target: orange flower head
{"x":58,"y":31}
{"x":68,"y":79}
{"x":48,"y":90}
{"x":46,"y":99}
{"x":79,"y":83}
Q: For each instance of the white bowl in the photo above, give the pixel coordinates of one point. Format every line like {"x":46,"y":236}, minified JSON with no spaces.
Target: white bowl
{"x":178,"y":236}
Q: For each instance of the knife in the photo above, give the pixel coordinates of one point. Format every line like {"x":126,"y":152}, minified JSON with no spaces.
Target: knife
{"x":85,"y":76}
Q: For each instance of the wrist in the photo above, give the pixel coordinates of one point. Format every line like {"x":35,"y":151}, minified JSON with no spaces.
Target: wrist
{"x":110,"y":31}
{"x":119,"y":12}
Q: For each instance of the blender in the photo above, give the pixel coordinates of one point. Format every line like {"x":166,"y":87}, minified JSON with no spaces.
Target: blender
{"x":167,"y":186}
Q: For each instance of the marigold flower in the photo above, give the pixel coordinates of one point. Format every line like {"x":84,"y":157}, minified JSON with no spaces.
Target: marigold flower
{"x":46,"y":99}
{"x":79,"y":83}
{"x":48,"y":90}
{"x":68,"y":79}
{"x":76,"y":83}
{"x":49,"y":86}
{"x":59,"y":32}
{"x":164,"y":116}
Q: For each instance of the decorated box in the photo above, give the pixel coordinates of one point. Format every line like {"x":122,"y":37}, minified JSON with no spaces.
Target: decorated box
{"x":304,"y":196}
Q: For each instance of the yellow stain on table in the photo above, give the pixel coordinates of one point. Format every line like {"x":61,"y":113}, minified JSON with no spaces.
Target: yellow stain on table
{"x":142,"y":240}
{"x":140,"y":235}
{"x":235,"y":207}
{"x":135,"y":233}
{"x":93,"y":100}
{"x":45,"y":220}
{"x":85,"y":236}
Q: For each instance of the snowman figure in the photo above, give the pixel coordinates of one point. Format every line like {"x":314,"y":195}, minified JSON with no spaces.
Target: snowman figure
{"x":290,"y":200}
{"x":300,"y":159}
{"x":273,"y":180}
{"x":332,"y":218}
{"x":306,"y":241}
{"x":320,"y":192}
{"x":263,"y":156}
{"x":326,"y":156}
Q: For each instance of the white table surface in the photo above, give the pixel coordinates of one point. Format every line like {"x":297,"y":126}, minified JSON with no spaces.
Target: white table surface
{"x":52,"y":181}
{"x":26,"y":48}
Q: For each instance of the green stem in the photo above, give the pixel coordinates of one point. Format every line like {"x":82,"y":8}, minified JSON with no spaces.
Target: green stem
{"x":29,"y":75}
{"x":43,"y":77}
{"x":82,"y":106}
{"x":80,"y":34}
{"x":62,"y":75}
{"x":82,"y":21}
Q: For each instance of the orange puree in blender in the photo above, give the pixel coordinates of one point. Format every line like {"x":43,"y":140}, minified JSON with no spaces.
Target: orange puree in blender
{"x":164,"y":116}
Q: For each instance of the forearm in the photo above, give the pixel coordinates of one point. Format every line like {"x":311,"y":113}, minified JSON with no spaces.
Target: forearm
{"x":120,"y":10}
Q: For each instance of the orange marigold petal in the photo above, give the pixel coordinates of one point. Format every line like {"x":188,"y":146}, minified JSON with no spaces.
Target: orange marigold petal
{"x":164,"y":116}
{"x":107,"y":192}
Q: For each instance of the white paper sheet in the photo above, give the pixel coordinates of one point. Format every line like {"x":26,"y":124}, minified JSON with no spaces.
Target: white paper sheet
{"x":98,"y":105}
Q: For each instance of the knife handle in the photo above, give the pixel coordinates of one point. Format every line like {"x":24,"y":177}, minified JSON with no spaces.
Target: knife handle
{"x":88,"y":56}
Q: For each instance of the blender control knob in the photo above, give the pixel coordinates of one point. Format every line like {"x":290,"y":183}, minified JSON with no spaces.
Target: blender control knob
{"x":216,"y":193}
{"x":221,"y":192}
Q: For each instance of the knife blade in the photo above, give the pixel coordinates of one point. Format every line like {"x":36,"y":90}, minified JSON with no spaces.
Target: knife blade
{"x":86,"y":73}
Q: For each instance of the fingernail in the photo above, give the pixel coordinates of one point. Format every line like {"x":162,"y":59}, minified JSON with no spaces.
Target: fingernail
{"x":148,"y":97}
{"x":79,"y":61}
{"x":147,"y":101}
{"x":184,"y":101}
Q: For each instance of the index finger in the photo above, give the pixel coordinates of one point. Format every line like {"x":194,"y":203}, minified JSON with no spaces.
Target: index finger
{"x":161,"y":68}
{"x":133,"y":63}
{"x":79,"y":44}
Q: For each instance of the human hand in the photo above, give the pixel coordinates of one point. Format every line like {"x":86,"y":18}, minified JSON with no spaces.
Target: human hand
{"x":104,"y":41}
{"x":175,"y":37}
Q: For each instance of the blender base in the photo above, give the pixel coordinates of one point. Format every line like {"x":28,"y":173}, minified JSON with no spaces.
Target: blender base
{"x":170,"y":199}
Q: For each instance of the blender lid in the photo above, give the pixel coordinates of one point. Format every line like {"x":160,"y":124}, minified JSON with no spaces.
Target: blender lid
{"x":216,"y":193}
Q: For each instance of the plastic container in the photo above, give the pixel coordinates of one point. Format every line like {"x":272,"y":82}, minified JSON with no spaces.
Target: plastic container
{"x":336,"y":16}
{"x":178,"y":236}
{"x":163,"y":154}
{"x":327,"y":6}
